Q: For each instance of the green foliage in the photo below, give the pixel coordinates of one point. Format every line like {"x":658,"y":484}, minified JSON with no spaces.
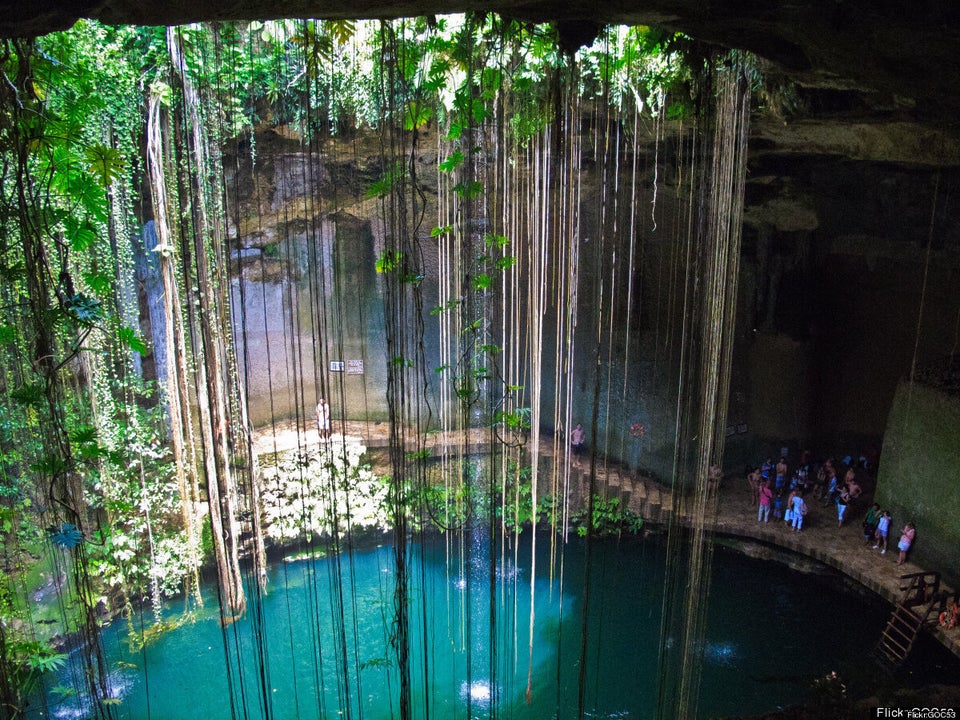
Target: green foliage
{"x":317,"y":493}
{"x":388,"y":261}
{"x":452,"y":162}
{"x":84,"y":310}
{"x":130,"y":339}
{"x":29,"y":394}
{"x":516,"y":507}
{"x":609,"y":518}
{"x":445,"y":507}
{"x":481,"y":282}
{"x":99,"y":283}
{"x":446,"y":307}
{"x":86,"y":443}
{"x":81,"y":234}
{"x":417,"y":116}
{"x":518,"y":419}
{"x":469,"y":190}
{"x":385,"y":185}
{"x":106,"y":163}
{"x":29,"y":660}
{"x":66,"y":536}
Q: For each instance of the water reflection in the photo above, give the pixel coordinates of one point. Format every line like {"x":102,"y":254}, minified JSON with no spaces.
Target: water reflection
{"x":470,"y":638}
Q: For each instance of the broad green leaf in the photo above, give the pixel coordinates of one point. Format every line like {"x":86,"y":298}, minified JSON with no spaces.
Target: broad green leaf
{"x":81,"y":233}
{"x":416,"y":116}
{"x":456,"y":130}
{"x":129,"y":338}
{"x":83,"y":434}
{"x":85,"y":310}
{"x":491,"y":240}
{"x":30,"y":394}
{"x":342,"y":30}
{"x":99,"y":283}
{"x":66,"y":536}
{"x":105,"y":163}
{"x":384,"y":185}
{"x":454,"y":160}
{"x":91,"y":196}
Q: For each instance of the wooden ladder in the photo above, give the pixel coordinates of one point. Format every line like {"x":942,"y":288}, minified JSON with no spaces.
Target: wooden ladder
{"x":898,"y":637}
{"x":905,"y":623}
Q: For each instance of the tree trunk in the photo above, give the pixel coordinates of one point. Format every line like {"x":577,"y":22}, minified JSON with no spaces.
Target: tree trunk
{"x":174,"y":381}
{"x":211,"y":395}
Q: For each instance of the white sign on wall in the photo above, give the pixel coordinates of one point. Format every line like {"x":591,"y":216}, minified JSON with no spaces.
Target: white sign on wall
{"x":354,"y":367}
{"x":336,"y":366}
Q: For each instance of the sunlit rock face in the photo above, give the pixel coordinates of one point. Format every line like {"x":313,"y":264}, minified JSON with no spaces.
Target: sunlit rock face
{"x":832,"y":275}
{"x":850,"y":247}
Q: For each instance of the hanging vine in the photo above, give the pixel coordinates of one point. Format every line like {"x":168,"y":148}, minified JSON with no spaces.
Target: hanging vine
{"x":539,"y":204}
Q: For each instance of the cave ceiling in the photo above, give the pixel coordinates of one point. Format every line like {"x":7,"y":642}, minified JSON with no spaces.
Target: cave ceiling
{"x":869,"y":84}
{"x":887,"y":58}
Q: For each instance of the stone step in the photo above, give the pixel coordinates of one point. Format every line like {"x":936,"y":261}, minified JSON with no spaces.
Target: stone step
{"x":652,"y":505}
{"x":638,"y":497}
{"x":666,"y":506}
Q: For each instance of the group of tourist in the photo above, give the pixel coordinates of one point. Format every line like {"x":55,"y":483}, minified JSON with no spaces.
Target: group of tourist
{"x":770,"y":499}
{"x":876,"y":529}
{"x":777,"y":492}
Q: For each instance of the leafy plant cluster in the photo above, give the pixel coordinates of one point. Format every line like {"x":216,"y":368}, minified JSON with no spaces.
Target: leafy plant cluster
{"x":476,"y":498}
{"x":516,"y":508}
{"x":609,"y":518}
{"x":317,"y":493}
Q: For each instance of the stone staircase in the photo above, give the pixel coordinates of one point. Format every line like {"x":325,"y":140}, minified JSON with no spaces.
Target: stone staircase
{"x":643,"y":496}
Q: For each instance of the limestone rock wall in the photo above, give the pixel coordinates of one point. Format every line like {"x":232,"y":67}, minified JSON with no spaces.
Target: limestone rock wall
{"x":837,"y":294}
{"x":919,"y":476}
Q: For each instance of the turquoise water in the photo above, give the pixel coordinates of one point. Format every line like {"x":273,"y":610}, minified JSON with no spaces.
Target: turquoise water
{"x":771,"y":631}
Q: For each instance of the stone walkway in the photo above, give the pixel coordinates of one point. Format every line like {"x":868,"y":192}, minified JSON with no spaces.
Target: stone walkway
{"x":842,"y":548}
{"x":822,"y":539}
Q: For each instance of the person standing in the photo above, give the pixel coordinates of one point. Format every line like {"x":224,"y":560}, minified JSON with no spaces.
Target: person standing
{"x":832,"y":490}
{"x":798,"y":510}
{"x":766,"y":495}
{"x":906,"y":540}
{"x":883,"y":529}
{"x":870,"y":523}
{"x":788,"y":515}
{"x":323,"y":419}
{"x":753,"y":480}
{"x":843,"y":497}
{"x":576,"y":442}
{"x":781,"y":470}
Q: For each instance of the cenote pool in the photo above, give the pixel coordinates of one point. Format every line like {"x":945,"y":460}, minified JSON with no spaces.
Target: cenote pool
{"x":770,"y":632}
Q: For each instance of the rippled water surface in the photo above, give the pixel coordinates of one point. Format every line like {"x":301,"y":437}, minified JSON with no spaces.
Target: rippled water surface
{"x":324,"y":630}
